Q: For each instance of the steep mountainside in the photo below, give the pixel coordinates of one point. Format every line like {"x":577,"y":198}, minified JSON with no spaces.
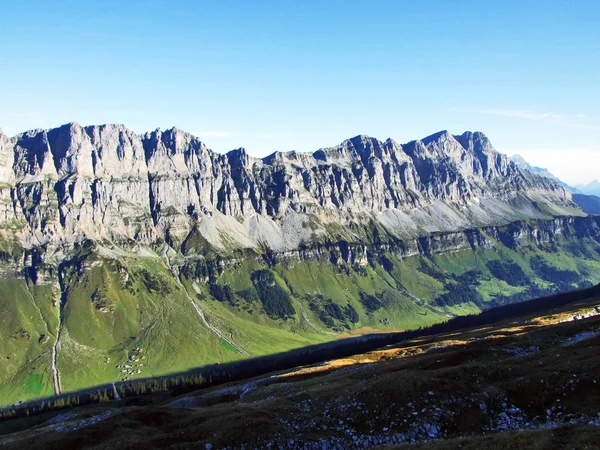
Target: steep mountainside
{"x":126,"y":256}
{"x":106,"y":182}
{"x":523,"y":164}
{"x":590,"y":204}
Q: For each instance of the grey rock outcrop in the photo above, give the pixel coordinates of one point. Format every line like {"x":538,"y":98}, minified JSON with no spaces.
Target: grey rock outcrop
{"x":108,"y":183}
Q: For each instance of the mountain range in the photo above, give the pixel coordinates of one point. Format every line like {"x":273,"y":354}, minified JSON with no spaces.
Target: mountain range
{"x":106,"y":182}
{"x":592,"y":188}
{"x":523,"y":164}
{"x":586,"y":196}
{"x":125,"y":256}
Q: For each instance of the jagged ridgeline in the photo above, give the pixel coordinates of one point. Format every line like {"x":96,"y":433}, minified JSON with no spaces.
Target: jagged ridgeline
{"x":125,"y":256}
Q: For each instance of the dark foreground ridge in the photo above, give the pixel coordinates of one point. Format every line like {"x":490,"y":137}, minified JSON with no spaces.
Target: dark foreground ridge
{"x":478,"y":371}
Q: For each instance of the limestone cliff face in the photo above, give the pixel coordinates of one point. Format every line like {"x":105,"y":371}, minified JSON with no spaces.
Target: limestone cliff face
{"x":108,"y":183}
{"x":540,"y":233}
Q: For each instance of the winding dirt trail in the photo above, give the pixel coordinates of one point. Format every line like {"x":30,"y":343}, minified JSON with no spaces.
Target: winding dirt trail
{"x":305,"y":317}
{"x":200,"y":313}
{"x":115,"y":392}
{"x":55,"y":372}
{"x":212,"y":328}
{"x":423,"y":304}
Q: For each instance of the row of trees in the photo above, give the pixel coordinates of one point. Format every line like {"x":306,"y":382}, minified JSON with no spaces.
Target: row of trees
{"x":553,"y":274}
{"x":275,"y":299}
{"x":462,"y":290}
{"x":508,"y":271}
{"x":328,"y":311}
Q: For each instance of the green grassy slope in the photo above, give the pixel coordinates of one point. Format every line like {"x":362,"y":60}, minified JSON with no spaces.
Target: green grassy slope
{"x":105,"y":304}
{"x":27,"y":333}
{"x":498,"y":382}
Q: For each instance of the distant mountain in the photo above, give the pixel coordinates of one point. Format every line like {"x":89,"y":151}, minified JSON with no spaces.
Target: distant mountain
{"x":590,"y":204}
{"x":587,"y":196}
{"x":592,"y":188}
{"x":523,"y":164}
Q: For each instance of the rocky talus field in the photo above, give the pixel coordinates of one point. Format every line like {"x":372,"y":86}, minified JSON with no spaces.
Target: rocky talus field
{"x":126,"y":257}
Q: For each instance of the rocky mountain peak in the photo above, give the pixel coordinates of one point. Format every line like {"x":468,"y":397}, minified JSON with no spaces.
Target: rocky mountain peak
{"x":179,"y":141}
{"x":242,"y":157}
{"x":476,"y":142}
{"x":364,"y":145}
{"x":440,"y":136}
{"x":107,"y":182}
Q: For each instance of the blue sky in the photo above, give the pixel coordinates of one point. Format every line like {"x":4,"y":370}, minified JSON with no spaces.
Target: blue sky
{"x":283,"y":75}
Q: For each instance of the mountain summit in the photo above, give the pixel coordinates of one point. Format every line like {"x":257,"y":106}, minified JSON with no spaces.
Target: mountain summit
{"x":106,"y":182}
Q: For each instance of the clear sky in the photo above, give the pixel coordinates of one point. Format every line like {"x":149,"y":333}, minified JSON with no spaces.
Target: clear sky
{"x":299,"y":75}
